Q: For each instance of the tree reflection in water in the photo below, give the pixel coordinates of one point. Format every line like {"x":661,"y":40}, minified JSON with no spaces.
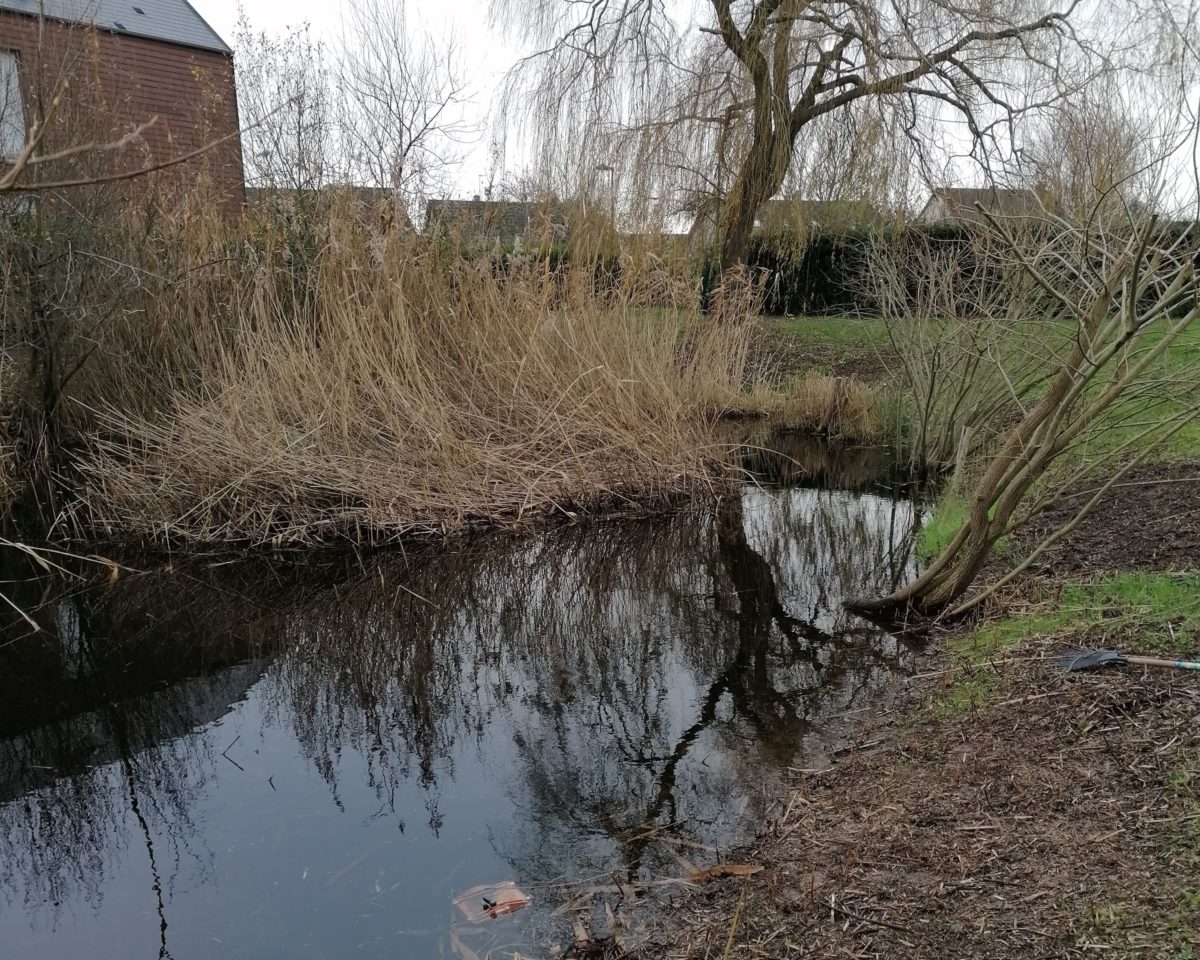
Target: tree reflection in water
{"x":613,"y":677}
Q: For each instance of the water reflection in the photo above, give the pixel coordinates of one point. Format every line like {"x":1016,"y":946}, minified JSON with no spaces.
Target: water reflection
{"x":312,"y":761}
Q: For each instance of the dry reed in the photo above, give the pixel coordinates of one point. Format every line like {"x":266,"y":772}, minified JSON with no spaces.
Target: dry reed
{"x":842,"y":408}
{"x":383,"y":387}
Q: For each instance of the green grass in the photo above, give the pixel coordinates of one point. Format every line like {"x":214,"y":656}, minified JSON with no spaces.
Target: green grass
{"x":833,"y":341}
{"x":967,"y":693}
{"x":841,"y":330}
{"x":828,"y":343}
{"x":939,"y":528}
{"x":836,"y":339}
{"x":842,"y":338}
{"x":1161,"y":611}
{"x":1152,"y":613}
{"x":1163,"y":608}
{"x":1130,"y":417}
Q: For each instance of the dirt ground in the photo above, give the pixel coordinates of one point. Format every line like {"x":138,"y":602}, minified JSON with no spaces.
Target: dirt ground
{"x":1150,"y":522}
{"x":1061,"y":818}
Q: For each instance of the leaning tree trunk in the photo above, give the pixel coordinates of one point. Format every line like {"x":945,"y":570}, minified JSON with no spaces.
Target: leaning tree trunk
{"x":738,"y":213}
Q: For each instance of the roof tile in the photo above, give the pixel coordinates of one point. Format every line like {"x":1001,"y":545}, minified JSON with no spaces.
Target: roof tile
{"x":172,"y":21}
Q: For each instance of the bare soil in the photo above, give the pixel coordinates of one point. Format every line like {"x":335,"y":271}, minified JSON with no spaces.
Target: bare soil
{"x":1058,"y":818}
{"x":1150,"y":522}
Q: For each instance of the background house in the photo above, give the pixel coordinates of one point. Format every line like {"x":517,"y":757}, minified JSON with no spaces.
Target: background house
{"x":958,"y":204}
{"x":126,"y":61}
{"x":505,"y":220}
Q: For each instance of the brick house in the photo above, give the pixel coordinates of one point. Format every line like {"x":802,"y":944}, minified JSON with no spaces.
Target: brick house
{"x":506,"y":221}
{"x":126,"y":61}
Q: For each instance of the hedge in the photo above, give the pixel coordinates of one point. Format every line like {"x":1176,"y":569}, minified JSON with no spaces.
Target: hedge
{"x":824,"y":275}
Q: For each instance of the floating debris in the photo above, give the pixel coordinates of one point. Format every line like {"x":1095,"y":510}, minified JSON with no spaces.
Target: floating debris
{"x":489,"y":901}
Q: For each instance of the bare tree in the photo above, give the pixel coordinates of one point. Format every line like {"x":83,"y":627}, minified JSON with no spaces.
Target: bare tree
{"x":1112,"y":302}
{"x":383,"y":108}
{"x":401,"y":101}
{"x":286,"y":102}
{"x":1059,"y":349}
{"x":716,"y":110}
{"x":954,"y":307}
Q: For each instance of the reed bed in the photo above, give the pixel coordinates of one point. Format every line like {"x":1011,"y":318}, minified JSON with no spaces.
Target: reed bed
{"x":385,"y":387}
{"x":839,"y":408}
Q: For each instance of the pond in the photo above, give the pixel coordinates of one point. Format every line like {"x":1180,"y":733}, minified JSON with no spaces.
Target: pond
{"x":314,"y":760}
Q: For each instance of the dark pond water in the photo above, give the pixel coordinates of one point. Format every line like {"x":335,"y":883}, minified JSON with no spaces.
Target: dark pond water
{"x":226,"y":760}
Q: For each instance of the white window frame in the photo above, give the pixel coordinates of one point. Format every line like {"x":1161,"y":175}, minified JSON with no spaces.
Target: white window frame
{"x":12,"y":106}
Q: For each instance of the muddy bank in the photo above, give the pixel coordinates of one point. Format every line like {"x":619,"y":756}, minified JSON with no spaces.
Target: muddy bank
{"x":1053,"y":823}
{"x":1048,"y":815}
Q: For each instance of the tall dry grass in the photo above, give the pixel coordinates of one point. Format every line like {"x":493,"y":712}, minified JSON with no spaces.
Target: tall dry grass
{"x":360,"y":382}
{"x":841,"y":409}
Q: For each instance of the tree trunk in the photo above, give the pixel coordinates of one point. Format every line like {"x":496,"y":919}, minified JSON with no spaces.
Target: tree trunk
{"x":761,"y":175}
{"x":737,"y":225}
{"x":932,"y":595}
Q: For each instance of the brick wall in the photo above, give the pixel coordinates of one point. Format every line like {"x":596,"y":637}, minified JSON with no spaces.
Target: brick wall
{"x":119,"y":82}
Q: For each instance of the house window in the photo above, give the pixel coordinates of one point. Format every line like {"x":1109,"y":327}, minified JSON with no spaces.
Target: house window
{"x":12,"y":110}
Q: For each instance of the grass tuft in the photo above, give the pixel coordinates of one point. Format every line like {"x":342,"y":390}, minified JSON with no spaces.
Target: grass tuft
{"x":1162,"y":610}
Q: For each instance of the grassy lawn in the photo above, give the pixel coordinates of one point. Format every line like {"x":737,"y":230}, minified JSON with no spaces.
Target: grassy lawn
{"x":853,"y":335}
{"x":1180,"y":364}
{"x":833,"y":341}
{"x":843,"y":330}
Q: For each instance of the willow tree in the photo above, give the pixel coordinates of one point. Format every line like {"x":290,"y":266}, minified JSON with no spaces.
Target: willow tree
{"x":716,"y":107}
{"x":1094,"y":156}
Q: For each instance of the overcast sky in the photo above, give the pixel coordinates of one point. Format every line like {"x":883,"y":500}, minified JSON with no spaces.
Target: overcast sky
{"x":486,"y":54}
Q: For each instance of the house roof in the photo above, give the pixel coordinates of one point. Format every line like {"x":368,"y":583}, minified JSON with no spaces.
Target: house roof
{"x":171,"y":21}
{"x":960,"y":201}
{"x":502,"y":218}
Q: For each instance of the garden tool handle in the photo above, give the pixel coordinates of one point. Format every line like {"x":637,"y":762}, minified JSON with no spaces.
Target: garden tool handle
{"x":1155,"y":662}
